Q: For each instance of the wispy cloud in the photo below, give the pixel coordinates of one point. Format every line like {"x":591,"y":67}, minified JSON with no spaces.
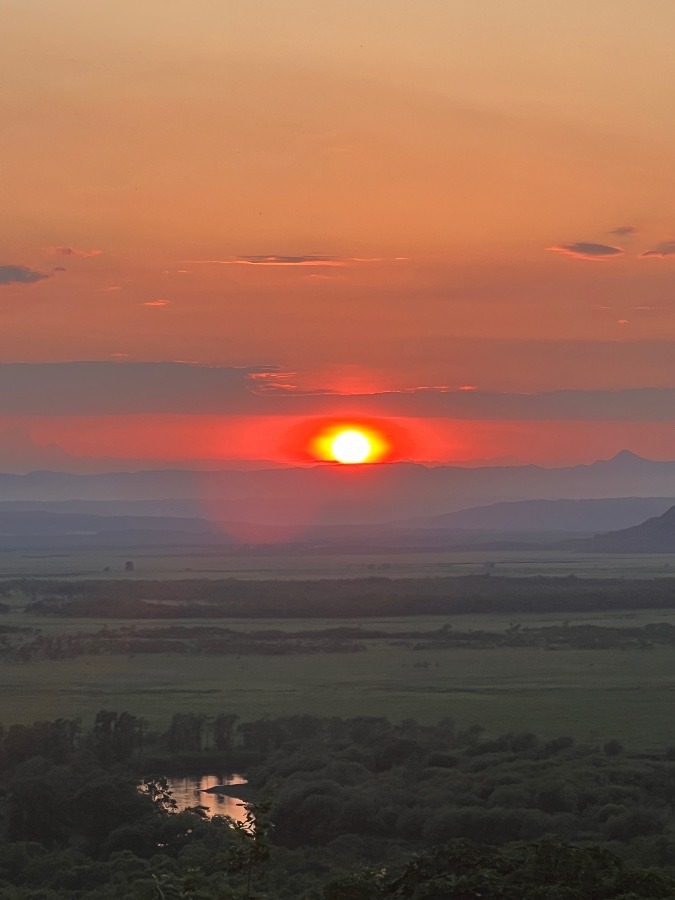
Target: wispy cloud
{"x":296,"y":261}
{"x":587,"y":250}
{"x":623,"y":230}
{"x":272,"y":261}
{"x":20,"y":275}
{"x":157,"y":304}
{"x":271,"y":378}
{"x":666,"y":248}
{"x":73,"y":251}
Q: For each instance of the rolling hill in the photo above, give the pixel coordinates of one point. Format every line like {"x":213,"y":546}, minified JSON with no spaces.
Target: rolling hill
{"x":656,"y":535}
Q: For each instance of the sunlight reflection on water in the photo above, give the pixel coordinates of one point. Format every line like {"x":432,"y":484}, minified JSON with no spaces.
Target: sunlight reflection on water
{"x":190,"y":791}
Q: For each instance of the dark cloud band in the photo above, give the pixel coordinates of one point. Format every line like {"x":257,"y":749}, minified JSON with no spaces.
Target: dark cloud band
{"x":118,"y":388}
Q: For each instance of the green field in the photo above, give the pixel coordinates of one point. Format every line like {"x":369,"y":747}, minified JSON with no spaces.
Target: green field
{"x":583,"y":693}
{"x":265,"y":565}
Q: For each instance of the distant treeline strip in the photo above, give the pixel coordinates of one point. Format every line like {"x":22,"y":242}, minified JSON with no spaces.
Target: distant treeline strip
{"x":25,"y":644}
{"x":350,"y":598}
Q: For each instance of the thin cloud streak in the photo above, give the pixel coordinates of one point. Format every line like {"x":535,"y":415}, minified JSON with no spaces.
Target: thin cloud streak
{"x":271,"y":261}
{"x":587,"y":250}
{"x":74,"y":252}
{"x":624,"y":230}
{"x":295,"y":261}
{"x":661,"y":251}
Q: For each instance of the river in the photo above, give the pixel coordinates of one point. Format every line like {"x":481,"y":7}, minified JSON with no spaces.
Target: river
{"x":190,"y":791}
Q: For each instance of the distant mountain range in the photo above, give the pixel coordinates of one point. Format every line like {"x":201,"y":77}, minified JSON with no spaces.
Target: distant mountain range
{"x":589,"y":516}
{"x":333,"y":495}
{"x":355,"y":509}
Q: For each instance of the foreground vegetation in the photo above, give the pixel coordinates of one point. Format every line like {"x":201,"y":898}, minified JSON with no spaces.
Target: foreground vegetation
{"x":400,"y":802}
{"x":343,"y":808}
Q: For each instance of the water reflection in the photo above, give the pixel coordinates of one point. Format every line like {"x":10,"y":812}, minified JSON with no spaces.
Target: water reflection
{"x":191,"y":792}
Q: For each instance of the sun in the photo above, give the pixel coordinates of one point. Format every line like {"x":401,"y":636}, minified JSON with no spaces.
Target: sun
{"x":351,"y":447}
{"x":347,"y":441}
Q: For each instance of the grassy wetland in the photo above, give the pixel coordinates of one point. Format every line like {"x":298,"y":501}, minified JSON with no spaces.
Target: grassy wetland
{"x":595,"y":667}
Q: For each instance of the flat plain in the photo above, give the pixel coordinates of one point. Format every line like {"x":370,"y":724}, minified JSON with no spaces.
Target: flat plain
{"x":266,"y":563}
{"x":588,"y":694}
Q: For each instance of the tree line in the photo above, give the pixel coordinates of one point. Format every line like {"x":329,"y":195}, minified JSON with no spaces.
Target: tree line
{"x":341,"y":808}
{"x":355,"y":598}
{"x":27,"y":644}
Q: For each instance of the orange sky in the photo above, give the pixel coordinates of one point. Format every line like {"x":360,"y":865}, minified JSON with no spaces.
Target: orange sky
{"x":370,"y":196}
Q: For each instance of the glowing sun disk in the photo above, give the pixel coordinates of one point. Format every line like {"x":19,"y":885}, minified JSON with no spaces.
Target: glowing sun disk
{"x":349,"y":441}
{"x":351,"y":446}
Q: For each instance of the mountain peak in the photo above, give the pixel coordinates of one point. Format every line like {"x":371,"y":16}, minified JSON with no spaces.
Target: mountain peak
{"x":626,"y":456}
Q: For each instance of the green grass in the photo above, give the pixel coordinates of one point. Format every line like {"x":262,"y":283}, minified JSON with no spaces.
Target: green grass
{"x":587,"y":694}
{"x":461,"y":622}
{"x":607,"y":693}
{"x":209,"y":564}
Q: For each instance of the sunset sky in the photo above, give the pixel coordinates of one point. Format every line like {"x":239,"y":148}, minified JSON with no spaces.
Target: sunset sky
{"x":421,"y":211}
